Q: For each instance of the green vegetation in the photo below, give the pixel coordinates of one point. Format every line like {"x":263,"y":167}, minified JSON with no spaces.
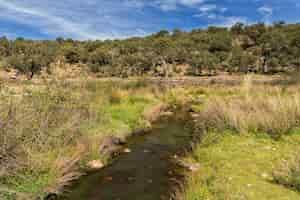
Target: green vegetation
{"x":240,"y":49}
{"x":48,"y":132}
{"x":52,"y":126}
{"x":249,"y":143}
{"x":288,"y":173}
{"x":240,"y":167}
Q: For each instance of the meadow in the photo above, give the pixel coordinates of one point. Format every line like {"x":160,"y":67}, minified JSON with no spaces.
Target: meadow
{"x":246,"y":135}
{"x":248,"y":143}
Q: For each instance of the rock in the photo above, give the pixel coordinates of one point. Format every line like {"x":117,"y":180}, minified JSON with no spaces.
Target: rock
{"x":109,"y":178}
{"x":126,"y":150}
{"x":111,"y":145}
{"x":13,"y":77}
{"x":167,"y":113}
{"x":195,"y":115}
{"x":193,"y":167}
{"x":95,"y":164}
{"x":141,"y":131}
{"x":51,"y":196}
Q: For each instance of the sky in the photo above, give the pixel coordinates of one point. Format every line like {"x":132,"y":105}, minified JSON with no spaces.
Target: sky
{"x":111,"y":19}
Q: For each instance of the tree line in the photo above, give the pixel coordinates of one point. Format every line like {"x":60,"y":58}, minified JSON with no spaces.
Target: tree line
{"x":256,"y":48}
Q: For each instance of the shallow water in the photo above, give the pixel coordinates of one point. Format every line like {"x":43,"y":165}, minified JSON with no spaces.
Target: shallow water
{"x":148,"y":172}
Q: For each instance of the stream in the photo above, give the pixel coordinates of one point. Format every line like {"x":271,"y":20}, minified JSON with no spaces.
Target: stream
{"x":148,"y":172}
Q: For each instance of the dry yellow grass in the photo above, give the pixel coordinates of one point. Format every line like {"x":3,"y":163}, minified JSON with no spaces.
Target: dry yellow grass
{"x":270,"y":109}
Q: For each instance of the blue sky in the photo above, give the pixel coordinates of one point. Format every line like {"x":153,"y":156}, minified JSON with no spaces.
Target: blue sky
{"x":108,"y":19}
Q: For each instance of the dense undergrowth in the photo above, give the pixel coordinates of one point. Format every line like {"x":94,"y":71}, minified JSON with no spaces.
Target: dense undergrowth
{"x":249,"y":141}
{"x":48,"y":132}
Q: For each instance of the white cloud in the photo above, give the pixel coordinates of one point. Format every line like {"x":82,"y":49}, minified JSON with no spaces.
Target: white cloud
{"x":210,"y":11}
{"x":212,"y":16}
{"x":73,"y":18}
{"x":267,"y":12}
{"x":53,"y":23}
{"x":208,"y":7}
{"x":190,"y":2}
{"x":169,"y":5}
{"x":232,"y":20}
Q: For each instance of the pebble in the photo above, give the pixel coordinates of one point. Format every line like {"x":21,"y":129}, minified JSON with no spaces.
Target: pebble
{"x":194,"y":167}
{"x":127,"y":150}
{"x":95,"y":164}
{"x":109,"y":178}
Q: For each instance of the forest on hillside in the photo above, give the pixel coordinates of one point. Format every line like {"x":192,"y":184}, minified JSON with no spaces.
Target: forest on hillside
{"x":257,"y":48}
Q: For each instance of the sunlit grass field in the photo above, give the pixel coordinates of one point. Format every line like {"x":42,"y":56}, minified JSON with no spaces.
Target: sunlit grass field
{"x":248,"y":145}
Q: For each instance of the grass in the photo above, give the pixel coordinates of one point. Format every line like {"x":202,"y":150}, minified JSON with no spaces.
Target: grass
{"x":249,"y":141}
{"x":248,"y":148}
{"x":288,"y":173}
{"x":240,"y":167}
{"x":49,"y":132}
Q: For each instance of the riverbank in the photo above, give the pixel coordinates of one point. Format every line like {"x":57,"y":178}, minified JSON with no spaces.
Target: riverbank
{"x":50,"y":132}
{"x":248,"y":143}
{"x":147,"y":170}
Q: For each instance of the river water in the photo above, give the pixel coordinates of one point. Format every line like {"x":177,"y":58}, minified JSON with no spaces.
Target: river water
{"x":148,"y":172}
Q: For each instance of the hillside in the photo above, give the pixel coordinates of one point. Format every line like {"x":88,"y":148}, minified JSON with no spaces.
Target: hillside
{"x":240,"y":49}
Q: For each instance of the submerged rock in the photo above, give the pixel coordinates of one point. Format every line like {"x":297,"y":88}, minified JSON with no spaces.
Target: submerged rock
{"x":141,"y":131}
{"x":51,"y":196}
{"x":111,"y":145}
{"x":95,"y":164}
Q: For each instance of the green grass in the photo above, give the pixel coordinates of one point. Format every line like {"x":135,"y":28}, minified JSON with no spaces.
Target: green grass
{"x":239,"y":167}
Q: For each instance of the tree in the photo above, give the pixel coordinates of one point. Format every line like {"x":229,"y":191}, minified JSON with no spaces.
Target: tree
{"x":98,"y":59}
{"x":162,"y":33}
{"x":241,"y":61}
{"x":220,"y":41}
{"x":71,"y":54}
{"x":4,"y":47}
{"x":237,"y":29}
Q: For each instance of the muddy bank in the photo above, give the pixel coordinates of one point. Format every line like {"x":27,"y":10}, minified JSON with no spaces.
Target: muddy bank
{"x":146,"y":170}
